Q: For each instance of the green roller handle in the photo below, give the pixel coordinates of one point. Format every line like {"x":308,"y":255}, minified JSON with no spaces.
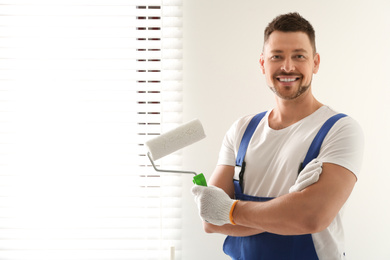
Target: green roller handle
{"x":200,"y":180}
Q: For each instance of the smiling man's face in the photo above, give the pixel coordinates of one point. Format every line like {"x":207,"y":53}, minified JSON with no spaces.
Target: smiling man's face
{"x":289,"y":62}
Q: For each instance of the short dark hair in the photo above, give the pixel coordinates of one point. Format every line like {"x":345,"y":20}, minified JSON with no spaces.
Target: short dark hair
{"x":291,"y":22}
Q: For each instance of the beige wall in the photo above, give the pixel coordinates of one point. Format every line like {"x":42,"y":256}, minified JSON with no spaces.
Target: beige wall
{"x":222,"y":81}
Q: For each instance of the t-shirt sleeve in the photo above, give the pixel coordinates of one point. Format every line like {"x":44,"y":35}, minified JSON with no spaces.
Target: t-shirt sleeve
{"x":344,"y":145}
{"x":227,"y":152}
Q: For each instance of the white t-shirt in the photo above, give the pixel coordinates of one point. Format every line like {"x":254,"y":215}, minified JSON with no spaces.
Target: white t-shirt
{"x":274,"y":156}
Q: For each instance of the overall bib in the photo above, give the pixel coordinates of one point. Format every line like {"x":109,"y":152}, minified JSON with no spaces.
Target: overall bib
{"x":268,"y":246}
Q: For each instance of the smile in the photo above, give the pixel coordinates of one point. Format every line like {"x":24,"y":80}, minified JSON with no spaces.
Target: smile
{"x":287,"y":79}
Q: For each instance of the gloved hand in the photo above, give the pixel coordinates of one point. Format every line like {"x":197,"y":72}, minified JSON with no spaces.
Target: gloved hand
{"x":308,"y":176}
{"x":214,"y":205}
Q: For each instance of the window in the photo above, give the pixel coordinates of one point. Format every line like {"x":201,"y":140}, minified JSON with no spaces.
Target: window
{"x":83,"y":84}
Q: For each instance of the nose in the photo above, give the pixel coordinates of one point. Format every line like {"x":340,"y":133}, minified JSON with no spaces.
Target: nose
{"x":288,"y":65}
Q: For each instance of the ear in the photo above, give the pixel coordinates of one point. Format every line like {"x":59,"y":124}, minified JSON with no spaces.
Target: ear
{"x":316,"y":63}
{"x":262,"y":63}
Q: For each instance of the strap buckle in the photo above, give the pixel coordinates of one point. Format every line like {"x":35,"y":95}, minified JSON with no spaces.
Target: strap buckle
{"x":240,"y":170}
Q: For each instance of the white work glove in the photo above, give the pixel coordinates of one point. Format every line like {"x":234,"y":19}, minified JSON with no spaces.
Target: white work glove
{"x":214,"y":204}
{"x":308,"y":176}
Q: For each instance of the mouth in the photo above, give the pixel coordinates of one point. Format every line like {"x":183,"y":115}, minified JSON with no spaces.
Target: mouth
{"x":288,"y":79}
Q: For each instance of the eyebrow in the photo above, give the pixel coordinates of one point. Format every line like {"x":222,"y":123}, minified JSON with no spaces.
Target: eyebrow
{"x":296,"y":50}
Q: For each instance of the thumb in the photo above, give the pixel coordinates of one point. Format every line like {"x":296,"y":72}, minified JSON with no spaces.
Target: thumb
{"x":314,"y":165}
{"x":197,"y":189}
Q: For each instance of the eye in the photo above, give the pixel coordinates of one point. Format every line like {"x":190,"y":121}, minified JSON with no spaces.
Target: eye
{"x":299,"y":56}
{"x":275,"y":57}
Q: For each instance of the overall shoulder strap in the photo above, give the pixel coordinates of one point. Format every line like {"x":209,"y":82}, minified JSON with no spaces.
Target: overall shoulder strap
{"x":250,"y":129}
{"x":245,"y":143}
{"x":315,"y":146}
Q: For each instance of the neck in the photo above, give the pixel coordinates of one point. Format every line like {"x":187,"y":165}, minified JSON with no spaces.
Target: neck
{"x":288,"y":112}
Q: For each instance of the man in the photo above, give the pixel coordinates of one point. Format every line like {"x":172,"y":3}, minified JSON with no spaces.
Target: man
{"x":272,"y":213}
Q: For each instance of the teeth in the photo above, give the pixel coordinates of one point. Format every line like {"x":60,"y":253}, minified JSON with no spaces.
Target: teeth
{"x":287,"y":79}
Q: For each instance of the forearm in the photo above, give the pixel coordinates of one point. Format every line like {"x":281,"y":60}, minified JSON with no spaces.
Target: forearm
{"x":231,"y":230}
{"x":308,"y":211}
{"x":285,"y":216}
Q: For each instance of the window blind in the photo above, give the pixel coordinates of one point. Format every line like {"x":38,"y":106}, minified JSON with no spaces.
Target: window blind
{"x":83,"y":84}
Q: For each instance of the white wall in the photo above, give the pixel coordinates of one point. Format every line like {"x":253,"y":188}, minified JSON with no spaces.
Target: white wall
{"x":222,"y":81}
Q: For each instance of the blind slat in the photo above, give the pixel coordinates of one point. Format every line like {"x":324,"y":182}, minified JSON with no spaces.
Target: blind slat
{"x":93,"y":3}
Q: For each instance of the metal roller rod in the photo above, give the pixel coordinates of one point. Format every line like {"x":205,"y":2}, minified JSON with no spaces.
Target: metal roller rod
{"x":173,"y":171}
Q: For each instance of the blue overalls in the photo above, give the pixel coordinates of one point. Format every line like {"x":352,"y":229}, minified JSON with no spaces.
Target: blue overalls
{"x":268,"y":246}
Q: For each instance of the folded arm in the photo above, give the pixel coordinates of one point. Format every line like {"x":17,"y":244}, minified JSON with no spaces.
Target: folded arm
{"x":308,"y":211}
{"x":223,"y":178}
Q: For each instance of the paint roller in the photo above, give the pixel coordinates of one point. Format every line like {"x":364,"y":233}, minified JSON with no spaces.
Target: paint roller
{"x":174,"y":140}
